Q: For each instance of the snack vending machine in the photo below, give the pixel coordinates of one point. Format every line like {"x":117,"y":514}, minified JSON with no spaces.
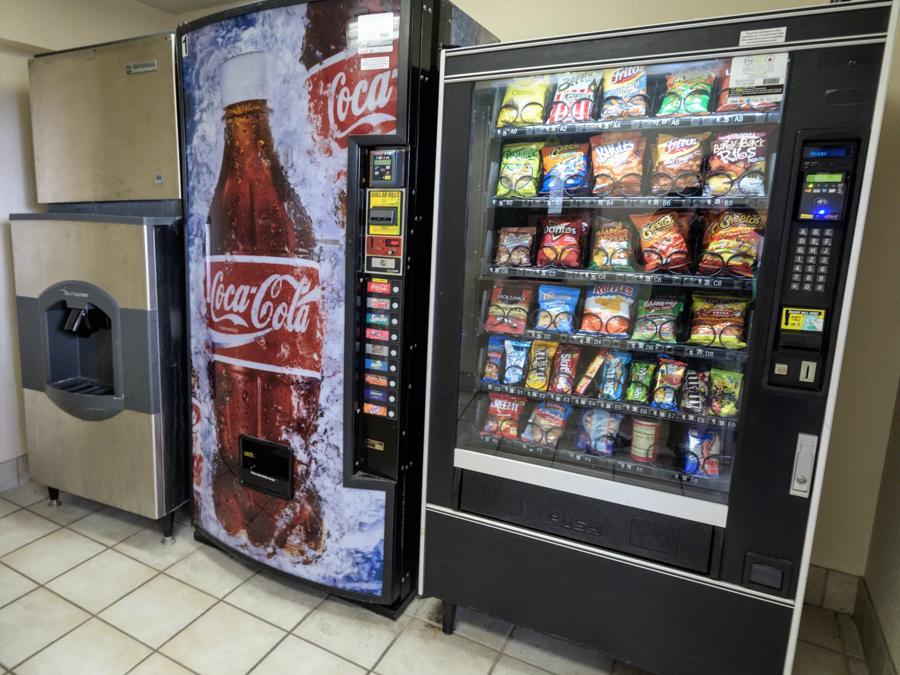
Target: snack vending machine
{"x":646,"y":244}
{"x":306,"y":130}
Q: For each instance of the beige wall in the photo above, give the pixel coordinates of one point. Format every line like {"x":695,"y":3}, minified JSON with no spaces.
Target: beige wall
{"x":872,"y":362}
{"x":883,"y":569}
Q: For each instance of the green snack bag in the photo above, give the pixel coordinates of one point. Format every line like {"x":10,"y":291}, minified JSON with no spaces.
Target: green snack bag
{"x":657,"y":320}
{"x":688,"y":91}
{"x":726,"y":392}
{"x":520,"y":167}
{"x":640,"y":377}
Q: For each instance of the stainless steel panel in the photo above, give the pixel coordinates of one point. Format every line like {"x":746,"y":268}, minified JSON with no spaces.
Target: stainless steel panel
{"x":115,"y":461}
{"x":117,"y":257}
{"x":105,"y":122}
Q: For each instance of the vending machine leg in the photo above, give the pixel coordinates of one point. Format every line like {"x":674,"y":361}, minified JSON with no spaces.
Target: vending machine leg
{"x":168,"y":525}
{"x":54,"y":496}
{"x":448,"y":619}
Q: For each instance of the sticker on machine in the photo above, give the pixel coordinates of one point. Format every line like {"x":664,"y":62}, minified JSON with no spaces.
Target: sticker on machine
{"x":803,"y":319}
{"x":763,"y":36}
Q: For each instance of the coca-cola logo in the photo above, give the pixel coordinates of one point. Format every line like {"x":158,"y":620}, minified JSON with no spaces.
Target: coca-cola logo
{"x":262,"y":307}
{"x":355,"y":104}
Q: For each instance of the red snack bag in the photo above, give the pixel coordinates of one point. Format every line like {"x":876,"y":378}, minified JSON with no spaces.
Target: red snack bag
{"x":508,"y":311}
{"x":504,"y":411}
{"x":617,"y":162}
{"x":732,"y":241}
{"x":663,"y":238}
{"x":565,"y":363}
{"x":562,"y":242}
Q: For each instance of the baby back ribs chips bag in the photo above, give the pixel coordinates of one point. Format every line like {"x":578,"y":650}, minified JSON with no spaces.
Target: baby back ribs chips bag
{"x":732,"y":241}
{"x":523,"y":102}
{"x":737,"y":164}
{"x":624,"y":92}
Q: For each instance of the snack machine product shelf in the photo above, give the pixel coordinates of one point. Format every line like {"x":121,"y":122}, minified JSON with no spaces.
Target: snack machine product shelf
{"x":619,"y":465}
{"x":641,"y":346}
{"x":589,"y":202}
{"x":623,"y":407}
{"x":645,"y":278}
{"x":684,"y":122}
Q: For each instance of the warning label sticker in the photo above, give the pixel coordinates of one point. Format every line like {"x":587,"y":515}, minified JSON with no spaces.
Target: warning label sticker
{"x":803,"y":319}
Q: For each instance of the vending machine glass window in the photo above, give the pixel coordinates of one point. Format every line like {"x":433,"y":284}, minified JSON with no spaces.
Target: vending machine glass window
{"x":615,"y":228}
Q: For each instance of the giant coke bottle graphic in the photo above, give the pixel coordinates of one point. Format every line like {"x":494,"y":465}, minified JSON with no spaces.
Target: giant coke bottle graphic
{"x":265,"y":319}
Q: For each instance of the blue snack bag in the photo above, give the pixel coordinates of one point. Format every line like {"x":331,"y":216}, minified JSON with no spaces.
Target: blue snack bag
{"x":615,"y":370}
{"x":556,"y":308}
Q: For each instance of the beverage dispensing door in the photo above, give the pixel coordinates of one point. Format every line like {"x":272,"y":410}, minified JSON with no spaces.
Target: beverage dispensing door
{"x":380,"y":306}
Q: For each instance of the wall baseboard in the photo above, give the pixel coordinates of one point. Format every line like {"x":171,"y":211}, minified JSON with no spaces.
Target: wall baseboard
{"x":13,"y":473}
{"x":831,"y":589}
{"x":872,"y":635}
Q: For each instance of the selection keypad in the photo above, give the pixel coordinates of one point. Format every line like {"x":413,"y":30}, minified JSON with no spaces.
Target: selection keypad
{"x":811,"y":255}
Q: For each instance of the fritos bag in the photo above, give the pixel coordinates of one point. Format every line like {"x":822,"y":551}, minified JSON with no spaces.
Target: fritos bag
{"x":624,"y":92}
{"x":677,"y":161}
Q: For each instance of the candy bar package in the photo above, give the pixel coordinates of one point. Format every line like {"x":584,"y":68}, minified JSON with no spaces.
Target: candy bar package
{"x":677,"y":161}
{"x":657,"y":320}
{"x":515,"y":246}
{"x":508,"y":311}
{"x":539,"y":362}
{"x":725,"y":392}
{"x":562,"y":241}
{"x":516,"y":359}
{"x":624,"y":92}
{"x":504,"y":411}
{"x":688,"y":91}
{"x":607,"y":310}
{"x":648,"y":438}
{"x":737,"y":164}
{"x":615,"y":369}
{"x":523,"y":102}
{"x":565,"y":363}
{"x":663,"y":237}
{"x":493,"y":361}
{"x":573,"y":100}
{"x":669,"y":380}
{"x":599,"y":431}
{"x":718,"y":321}
{"x":640,"y":377}
{"x":753,"y":83}
{"x":701,"y":451}
{"x":617,"y":159}
{"x":584,"y":386}
{"x":732,"y":243}
{"x":613,"y":246}
{"x":547,"y":423}
{"x":556,"y":308}
{"x":695,"y":392}
{"x":520,"y":168}
{"x":565,"y":169}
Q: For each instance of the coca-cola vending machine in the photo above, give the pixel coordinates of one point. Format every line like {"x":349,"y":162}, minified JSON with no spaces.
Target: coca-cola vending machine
{"x":309,"y":133}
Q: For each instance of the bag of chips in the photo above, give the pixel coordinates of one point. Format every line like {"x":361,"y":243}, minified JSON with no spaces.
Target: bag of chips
{"x":565,"y":168}
{"x":753,"y":83}
{"x":725,"y":392}
{"x":732,"y":242}
{"x":718,"y":321}
{"x":539,"y":363}
{"x":617,"y":161}
{"x":523,"y":102}
{"x":562,"y":241}
{"x":493,"y":362}
{"x":695,"y":392}
{"x":565,"y":363}
{"x":599,"y":431}
{"x":612,"y":381}
{"x":663,"y":237}
{"x":648,"y":439}
{"x":573,"y":100}
{"x":516,"y":359}
{"x":556,"y":308}
{"x":607,"y":310}
{"x":613,"y":247}
{"x":669,"y":379}
{"x":657,"y":320}
{"x":701,"y":451}
{"x":515,"y":246}
{"x":677,"y":161}
{"x":520,"y":168}
{"x":508,"y":311}
{"x":640,"y":377}
{"x":547,"y":423}
{"x":624,"y":92}
{"x":583,"y":388}
{"x":688,"y":91}
{"x":504,"y":411}
{"x":737,"y":164}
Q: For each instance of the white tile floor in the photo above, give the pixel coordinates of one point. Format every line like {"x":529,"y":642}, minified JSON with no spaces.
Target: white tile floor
{"x":91,"y":590}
